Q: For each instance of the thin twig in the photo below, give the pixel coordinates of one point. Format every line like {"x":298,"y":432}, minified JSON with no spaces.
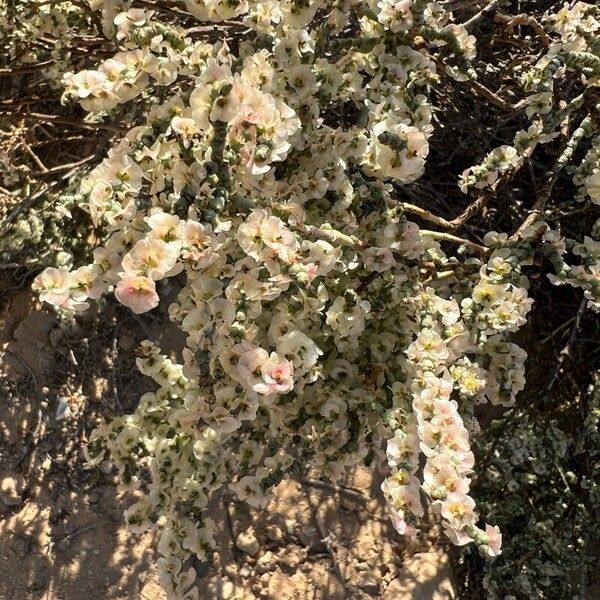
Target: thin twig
{"x":35,"y":157}
{"x":96,"y":21}
{"x":484,"y":91}
{"x":453,"y":239}
{"x":330,"y":542}
{"x":488,"y":94}
{"x":425,"y":215}
{"x":114,"y":370}
{"x":24,"y":101}
{"x":60,"y":121}
{"x":71,"y":536}
{"x":26,"y":68}
{"x":24,"y":363}
{"x":566,"y":351}
{"x":559,"y":328}
{"x":175,"y":11}
{"x":491,"y":7}
{"x":65,"y":167}
{"x":511,"y":21}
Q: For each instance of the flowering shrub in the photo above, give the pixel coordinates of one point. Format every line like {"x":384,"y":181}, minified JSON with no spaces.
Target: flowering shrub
{"x":265,"y":174}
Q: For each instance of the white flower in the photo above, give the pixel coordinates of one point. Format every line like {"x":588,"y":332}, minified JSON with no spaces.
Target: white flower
{"x":592,"y":187}
{"x":300,"y":350}
{"x":265,"y":374}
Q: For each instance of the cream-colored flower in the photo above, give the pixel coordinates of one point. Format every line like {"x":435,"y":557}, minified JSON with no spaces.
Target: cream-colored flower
{"x":137,"y":292}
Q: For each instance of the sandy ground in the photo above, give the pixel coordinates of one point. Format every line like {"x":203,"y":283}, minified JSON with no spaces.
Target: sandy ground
{"x":62,"y":534}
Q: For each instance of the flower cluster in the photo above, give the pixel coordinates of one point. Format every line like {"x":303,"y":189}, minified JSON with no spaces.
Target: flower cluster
{"x":496,"y":163}
{"x":445,"y":359}
{"x":575,"y":54}
{"x":152,"y":51}
{"x":587,"y":174}
{"x":585,"y":274}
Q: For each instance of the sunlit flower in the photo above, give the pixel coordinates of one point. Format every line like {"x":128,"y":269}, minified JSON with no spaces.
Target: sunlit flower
{"x":137,"y":292}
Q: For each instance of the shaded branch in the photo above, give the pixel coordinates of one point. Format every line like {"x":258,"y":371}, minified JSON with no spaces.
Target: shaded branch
{"x":553,"y":174}
{"x":43,"y":118}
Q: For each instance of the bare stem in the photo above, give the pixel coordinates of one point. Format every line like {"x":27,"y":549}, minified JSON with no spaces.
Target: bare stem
{"x":453,"y":239}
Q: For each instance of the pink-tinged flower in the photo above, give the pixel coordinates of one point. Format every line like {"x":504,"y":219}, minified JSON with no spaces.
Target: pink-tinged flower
{"x":401,"y":525}
{"x":303,"y":274}
{"x":153,"y":258}
{"x":430,"y":434}
{"x":403,"y":450}
{"x":431,"y":388}
{"x":456,"y":536}
{"x":280,"y":239}
{"x":198,"y":244}
{"x":494,"y":545}
{"x":263,"y":236}
{"x":86,"y":282}
{"x":429,"y":345}
{"x":137,"y":292}
{"x":455,"y":438}
{"x":446,"y":411}
{"x":277,"y":376}
{"x":440,"y":478}
{"x":402,"y":491}
{"x":464,"y":461}
{"x":266,"y":374}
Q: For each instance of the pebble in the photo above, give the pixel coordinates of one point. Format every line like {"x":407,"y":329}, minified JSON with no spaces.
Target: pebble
{"x":265,"y":558}
{"x":12,"y":488}
{"x":265,"y":562}
{"x":246,"y":541}
{"x":106,"y":466}
{"x":292,"y":556}
{"x":63,"y":544}
{"x":40,"y":579}
{"x":20,"y":547}
{"x":274,"y":533}
{"x":55,"y":336}
{"x":245,"y":571}
{"x":290,"y":525}
{"x":227,"y":590}
{"x":368,"y":582}
{"x":126,"y":342}
{"x":309,"y":536}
